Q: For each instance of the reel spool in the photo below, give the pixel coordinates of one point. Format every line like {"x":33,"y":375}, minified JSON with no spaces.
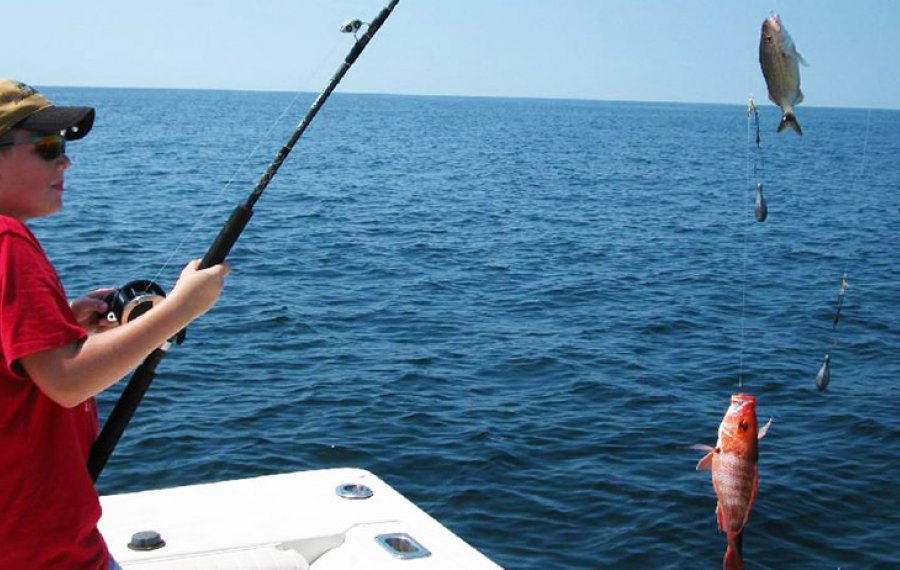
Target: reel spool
{"x":132,"y":300}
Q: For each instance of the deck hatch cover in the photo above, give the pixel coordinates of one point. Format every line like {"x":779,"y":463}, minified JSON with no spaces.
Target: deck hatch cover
{"x":402,"y":546}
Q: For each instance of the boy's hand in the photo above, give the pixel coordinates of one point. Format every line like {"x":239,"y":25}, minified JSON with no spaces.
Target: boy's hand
{"x":90,"y":311}
{"x":197,"y":290}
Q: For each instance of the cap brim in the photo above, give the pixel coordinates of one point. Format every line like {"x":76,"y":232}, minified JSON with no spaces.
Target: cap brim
{"x":75,"y":122}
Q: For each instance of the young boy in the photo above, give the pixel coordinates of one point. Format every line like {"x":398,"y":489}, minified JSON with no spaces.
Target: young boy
{"x":51,"y":367}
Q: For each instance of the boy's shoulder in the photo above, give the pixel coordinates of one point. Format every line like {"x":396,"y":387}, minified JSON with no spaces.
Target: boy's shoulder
{"x":13,"y":228}
{"x":12,"y":225}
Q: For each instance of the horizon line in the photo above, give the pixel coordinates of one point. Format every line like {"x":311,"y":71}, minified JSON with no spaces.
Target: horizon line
{"x":458,"y":96}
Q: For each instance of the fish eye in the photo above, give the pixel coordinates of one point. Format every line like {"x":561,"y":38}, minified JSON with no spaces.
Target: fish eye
{"x":743,"y":426}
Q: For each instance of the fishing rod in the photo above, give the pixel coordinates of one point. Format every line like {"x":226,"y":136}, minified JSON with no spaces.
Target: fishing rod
{"x":137,"y":297}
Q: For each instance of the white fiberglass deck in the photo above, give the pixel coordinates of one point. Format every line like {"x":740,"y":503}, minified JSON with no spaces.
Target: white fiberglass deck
{"x":293,"y":521}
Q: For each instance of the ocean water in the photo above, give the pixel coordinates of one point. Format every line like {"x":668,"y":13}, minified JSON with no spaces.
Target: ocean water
{"x":519,"y":313}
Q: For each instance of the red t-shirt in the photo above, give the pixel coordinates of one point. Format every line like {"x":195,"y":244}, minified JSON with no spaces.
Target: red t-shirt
{"x":49,"y":507}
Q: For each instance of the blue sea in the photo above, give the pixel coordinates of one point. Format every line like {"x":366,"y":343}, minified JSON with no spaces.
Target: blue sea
{"x":519,"y":313}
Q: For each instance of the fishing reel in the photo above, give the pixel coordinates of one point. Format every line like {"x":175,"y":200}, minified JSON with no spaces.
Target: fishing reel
{"x":133,"y":300}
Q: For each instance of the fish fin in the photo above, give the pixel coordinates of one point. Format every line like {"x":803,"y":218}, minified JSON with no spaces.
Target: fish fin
{"x":706,"y":461}
{"x":789,"y":120}
{"x":733,"y":559}
{"x":801,"y":60}
{"x":799,"y":98}
{"x":751,"y":500}
{"x":764,"y":430}
{"x":720,"y":517}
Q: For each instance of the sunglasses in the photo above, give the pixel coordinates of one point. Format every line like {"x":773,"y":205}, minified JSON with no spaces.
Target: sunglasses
{"x":48,"y":147}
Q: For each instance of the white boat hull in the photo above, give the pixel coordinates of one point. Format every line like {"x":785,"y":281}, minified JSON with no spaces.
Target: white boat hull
{"x":295,"y":521}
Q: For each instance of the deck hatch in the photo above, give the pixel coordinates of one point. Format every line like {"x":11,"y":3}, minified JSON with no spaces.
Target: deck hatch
{"x":402,"y":546}
{"x":353,"y":491}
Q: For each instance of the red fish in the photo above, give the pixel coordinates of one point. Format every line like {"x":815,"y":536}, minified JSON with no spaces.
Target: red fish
{"x":735,"y":474}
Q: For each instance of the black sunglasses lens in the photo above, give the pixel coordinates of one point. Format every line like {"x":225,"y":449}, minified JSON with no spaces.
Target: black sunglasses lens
{"x":50,"y":148}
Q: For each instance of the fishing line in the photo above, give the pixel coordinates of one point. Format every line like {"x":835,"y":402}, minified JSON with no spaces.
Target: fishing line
{"x":857,"y":183}
{"x":207,"y":212}
{"x":756,"y":162}
{"x":862,"y":170}
{"x":750,"y":105}
{"x":136,"y":297}
{"x":140,"y":381}
{"x":146,"y":293}
{"x":824,"y":374}
{"x":761,"y":209}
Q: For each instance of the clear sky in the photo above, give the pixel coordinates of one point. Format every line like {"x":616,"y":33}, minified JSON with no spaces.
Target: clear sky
{"x":640,"y":50}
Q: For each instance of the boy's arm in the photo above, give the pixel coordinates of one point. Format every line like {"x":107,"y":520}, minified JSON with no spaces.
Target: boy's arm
{"x":73,"y":373}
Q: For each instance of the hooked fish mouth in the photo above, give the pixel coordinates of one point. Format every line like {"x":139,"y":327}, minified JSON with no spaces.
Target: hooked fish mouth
{"x":740,"y":401}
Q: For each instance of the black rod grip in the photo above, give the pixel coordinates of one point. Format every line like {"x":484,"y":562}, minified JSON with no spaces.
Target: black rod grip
{"x":121,"y":414}
{"x":231,"y":231}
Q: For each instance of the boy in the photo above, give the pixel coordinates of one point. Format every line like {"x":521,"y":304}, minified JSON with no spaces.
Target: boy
{"x":51,"y":368}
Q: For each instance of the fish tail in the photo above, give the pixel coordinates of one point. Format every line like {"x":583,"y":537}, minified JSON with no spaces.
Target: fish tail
{"x":733,"y":559}
{"x":789,"y":120}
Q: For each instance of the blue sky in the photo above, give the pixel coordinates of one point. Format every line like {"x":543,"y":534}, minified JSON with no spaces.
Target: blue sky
{"x":641,"y":50}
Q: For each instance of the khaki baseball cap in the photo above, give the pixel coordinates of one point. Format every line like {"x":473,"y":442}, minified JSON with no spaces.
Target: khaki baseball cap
{"x":22,"y":107}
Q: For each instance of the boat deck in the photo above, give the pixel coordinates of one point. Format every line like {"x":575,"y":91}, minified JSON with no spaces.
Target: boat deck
{"x":319,"y":520}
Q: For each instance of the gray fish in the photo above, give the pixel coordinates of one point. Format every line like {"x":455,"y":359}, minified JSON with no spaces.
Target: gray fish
{"x":779,"y":60}
{"x":762,"y":210}
{"x":824,"y":375}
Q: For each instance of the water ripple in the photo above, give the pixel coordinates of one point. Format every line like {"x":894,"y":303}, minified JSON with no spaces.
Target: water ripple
{"x":521,"y":322}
